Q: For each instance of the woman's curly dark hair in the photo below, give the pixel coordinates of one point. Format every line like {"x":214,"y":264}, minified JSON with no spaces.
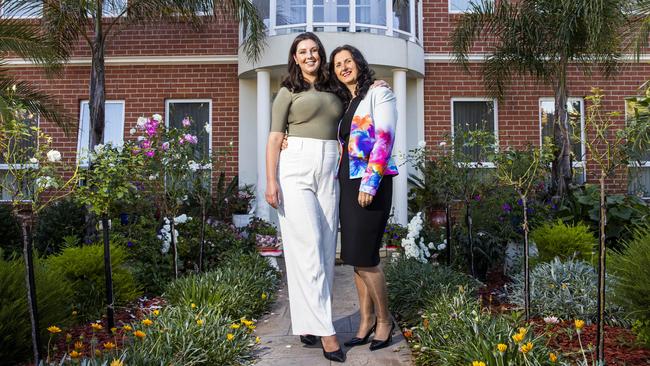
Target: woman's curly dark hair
{"x":365,"y":76}
{"x":294,"y":81}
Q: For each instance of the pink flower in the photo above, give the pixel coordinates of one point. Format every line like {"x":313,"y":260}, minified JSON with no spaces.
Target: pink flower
{"x":150,"y":153}
{"x":165,"y":146}
{"x":191,"y":138}
{"x":186,"y":122}
{"x":146,"y":144}
{"x":181,"y":140}
{"x":135,"y":151}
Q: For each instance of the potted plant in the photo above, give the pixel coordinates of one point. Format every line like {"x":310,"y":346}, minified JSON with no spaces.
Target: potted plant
{"x":265,"y":237}
{"x":393,"y":235}
{"x":240,"y":206}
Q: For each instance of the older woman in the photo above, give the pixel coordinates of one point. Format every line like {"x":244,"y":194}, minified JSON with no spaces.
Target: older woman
{"x":366,"y":133}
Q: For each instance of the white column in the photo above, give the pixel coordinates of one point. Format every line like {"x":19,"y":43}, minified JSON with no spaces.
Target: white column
{"x":263,"y":125}
{"x":400,"y":183}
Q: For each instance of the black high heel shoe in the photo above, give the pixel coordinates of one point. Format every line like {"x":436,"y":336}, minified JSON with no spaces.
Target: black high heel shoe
{"x":308,"y":339}
{"x":356,"y":341}
{"x":336,"y":356}
{"x":377,"y":344}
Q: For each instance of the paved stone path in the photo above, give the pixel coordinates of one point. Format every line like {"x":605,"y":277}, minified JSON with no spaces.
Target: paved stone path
{"x":280,"y":348}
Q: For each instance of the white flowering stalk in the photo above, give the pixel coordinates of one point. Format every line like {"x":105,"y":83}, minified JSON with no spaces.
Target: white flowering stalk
{"x":165,"y":233}
{"x":412,"y":247}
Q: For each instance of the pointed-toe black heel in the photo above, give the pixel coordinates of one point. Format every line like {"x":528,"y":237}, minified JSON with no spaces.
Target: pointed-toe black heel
{"x":356,"y":341}
{"x":377,"y":344}
{"x":336,"y":356}
{"x":308,"y":339}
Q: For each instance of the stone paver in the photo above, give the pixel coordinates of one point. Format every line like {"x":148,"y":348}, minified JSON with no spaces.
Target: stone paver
{"x":280,"y":348}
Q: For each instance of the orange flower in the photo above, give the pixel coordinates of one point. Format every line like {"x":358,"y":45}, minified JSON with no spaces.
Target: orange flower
{"x":579,"y":324}
{"x":425,"y":323}
{"x":552,"y":357}
{"x":109,"y":345}
{"x":147,"y":322}
{"x":96,"y":326}
{"x":75,"y":354}
{"x":140,"y":334}
{"x":408,"y":333}
{"x":78,"y":345}
{"x":526,"y":347}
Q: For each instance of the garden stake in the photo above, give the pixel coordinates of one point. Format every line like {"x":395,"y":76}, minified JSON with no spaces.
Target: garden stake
{"x":26,"y":218}
{"x":600,"y":334}
{"x":526,"y":260}
{"x":448,"y":232}
{"x":173,"y":244}
{"x":108,"y":275}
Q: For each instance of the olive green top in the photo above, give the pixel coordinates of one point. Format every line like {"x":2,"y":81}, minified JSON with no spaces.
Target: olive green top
{"x":313,"y":114}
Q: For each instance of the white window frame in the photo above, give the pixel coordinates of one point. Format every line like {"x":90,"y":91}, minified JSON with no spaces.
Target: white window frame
{"x":476,"y":164}
{"x":5,"y":167}
{"x":455,"y":11}
{"x":635,"y":164}
{"x":20,"y":16}
{"x":83,"y":163}
{"x":209,"y":101}
{"x":583,"y":148}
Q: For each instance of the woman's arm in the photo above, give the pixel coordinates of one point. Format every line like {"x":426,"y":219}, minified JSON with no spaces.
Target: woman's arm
{"x":272,"y":195}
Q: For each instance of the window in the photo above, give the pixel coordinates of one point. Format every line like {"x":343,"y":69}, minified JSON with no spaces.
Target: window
{"x":639,"y":171}
{"x":291,"y":12}
{"x":200,"y":112}
{"x":575,"y":109}
{"x":6,"y":177}
{"x":113,"y":129}
{"x":462,"y":6}
{"x":26,"y":10}
{"x":473,"y":114}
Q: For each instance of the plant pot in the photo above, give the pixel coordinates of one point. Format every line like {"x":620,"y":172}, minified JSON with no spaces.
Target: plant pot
{"x":393,"y":248}
{"x":241,"y":220}
{"x":268,"y":245}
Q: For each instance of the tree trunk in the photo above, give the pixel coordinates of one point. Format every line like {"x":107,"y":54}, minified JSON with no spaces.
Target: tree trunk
{"x":600,"y":334}
{"x":97,"y":97}
{"x":561,"y":168}
{"x":448,"y":232}
{"x":202,"y":243}
{"x":108,"y":276}
{"x":26,"y":221}
{"x":526,"y":260}
{"x":174,"y":249}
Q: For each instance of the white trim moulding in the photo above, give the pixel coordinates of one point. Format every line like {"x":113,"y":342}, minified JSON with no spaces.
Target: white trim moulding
{"x":478,"y":57}
{"x":142,"y":60}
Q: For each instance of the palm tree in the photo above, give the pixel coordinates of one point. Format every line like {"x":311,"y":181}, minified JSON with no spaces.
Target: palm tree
{"x":639,"y":30}
{"x":25,"y":40}
{"x":94,"y":21}
{"x":542,"y":38}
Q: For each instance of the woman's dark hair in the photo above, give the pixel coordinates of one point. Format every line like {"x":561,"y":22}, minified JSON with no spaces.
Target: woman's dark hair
{"x":365,"y":77}
{"x":294,"y":81}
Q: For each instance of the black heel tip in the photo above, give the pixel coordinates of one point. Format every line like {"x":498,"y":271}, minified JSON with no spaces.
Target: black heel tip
{"x":336,"y":356}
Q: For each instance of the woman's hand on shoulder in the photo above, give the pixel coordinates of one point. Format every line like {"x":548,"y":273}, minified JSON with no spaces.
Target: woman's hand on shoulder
{"x":285,"y":142}
{"x":380,"y":84}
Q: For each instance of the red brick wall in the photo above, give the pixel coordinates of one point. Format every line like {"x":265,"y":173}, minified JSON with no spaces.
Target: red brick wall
{"x":144,"y":90}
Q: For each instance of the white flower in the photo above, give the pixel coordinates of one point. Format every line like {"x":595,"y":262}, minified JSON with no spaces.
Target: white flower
{"x":99,"y":148}
{"x":33,"y":160}
{"x":166,"y":227}
{"x":551,"y":320}
{"x":180,"y":219}
{"x":132,"y":131}
{"x":431,"y":246}
{"x":141,"y":122}
{"x":208,"y":128}
{"x":13,"y":88}
{"x":442,"y":246}
{"x":194,"y":166}
{"x":157,"y":117}
{"x":53,"y":156}
{"x":443,"y":143}
{"x":422,"y":144}
{"x":45,"y":182}
{"x":231,"y":143}
{"x":141,"y":138}
{"x":152,"y":177}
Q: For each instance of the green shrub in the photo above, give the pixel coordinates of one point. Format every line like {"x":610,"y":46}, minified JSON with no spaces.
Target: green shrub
{"x":240,"y":287}
{"x":632,"y":288}
{"x":412,"y":286}
{"x":10,"y":234}
{"x":177,"y":338}
{"x":564,"y":241}
{"x":567,"y":290}
{"x":53,"y":299}
{"x":83,"y":269}
{"x":61,"y":219}
{"x":456,"y":331}
{"x":220,"y":239}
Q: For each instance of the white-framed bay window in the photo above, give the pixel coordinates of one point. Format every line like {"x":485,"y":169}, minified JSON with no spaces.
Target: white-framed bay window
{"x":7,"y":179}
{"x":474,"y":114}
{"x":638,"y":171}
{"x":31,"y":9}
{"x":200,"y":113}
{"x":113,"y":128}
{"x":576,"y":111}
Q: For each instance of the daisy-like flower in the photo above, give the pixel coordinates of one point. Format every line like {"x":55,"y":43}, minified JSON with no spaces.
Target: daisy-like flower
{"x":230,"y":336}
{"x":127,"y":328}
{"x":579,"y":324}
{"x":156,"y":312}
{"x":139,"y":334}
{"x":502,"y":347}
{"x":109,"y":345}
{"x":551,"y":320}
{"x":478,"y":363}
{"x":234,"y":326}
{"x":552,"y":357}
{"x":96,"y":326}
{"x":74,"y":355}
{"x":517,"y":338}
{"x":54,"y":329}
{"x":200,"y":322}
{"x":264,"y":296}
{"x":78,"y":345}
{"x":257,"y":340}
{"x":147,"y":322}
{"x":526,"y":347}
{"x":117,"y":363}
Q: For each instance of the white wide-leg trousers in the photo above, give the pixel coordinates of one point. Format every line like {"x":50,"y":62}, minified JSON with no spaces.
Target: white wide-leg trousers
{"x":309,"y":222}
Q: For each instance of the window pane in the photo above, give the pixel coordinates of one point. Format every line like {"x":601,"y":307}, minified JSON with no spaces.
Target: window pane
{"x":291,"y":12}
{"x":401,"y":16}
{"x":319,"y":11}
{"x":27,"y":9}
{"x":199,"y":113}
{"x":631,"y":111}
{"x":639,"y":181}
{"x":113,"y":130}
{"x":25,"y":146}
{"x":547,"y":119}
{"x":262,"y":7}
{"x":342,"y":11}
{"x":371,"y":12}
{"x":472,"y":116}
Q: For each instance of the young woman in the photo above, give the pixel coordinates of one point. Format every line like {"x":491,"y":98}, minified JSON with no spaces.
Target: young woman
{"x":366,"y":133}
{"x":301,"y":184}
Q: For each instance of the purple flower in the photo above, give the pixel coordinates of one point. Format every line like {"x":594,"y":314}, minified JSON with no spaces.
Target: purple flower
{"x":146,"y":144}
{"x":520,"y":202}
{"x":165,"y":146}
{"x":129,"y":244}
{"x":554,"y":206}
{"x":135,"y":151}
{"x":191,"y":138}
{"x":186,"y":122}
{"x":477,"y":197}
{"x":150,"y":153}
{"x":506,"y":207}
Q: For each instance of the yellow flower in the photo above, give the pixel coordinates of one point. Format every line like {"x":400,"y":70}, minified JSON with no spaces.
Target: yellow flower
{"x":234,"y":326}
{"x":264,"y":295}
{"x":200,"y":322}
{"x":96,"y":326}
{"x":523,"y":330}
{"x":230,"y":336}
{"x":517,"y":338}
{"x":156,"y":312}
{"x":78,"y":345}
{"x":251,"y":327}
{"x":579,"y":324}
{"x":425,"y":323}
{"x":68,"y":337}
{"x":117,"y":363}
{"x":478,"y":363}
{"x":54,"y":329}
{"x":98,"y":353}
{"x":526,"y":347}
{"x":74,"y":312}
{"x":193,"y":305}
{"x":127,"y":328}
{"x":257,"y":340}
{"x":502,"y":347}
{"x":140,"y":334}
{"x":147,"y":322}
{"x":75,"y":354}
{"x":109,"y":345}
{"x":552,"y":357}
{"x":564,"y":286}
{"x":247,"y":323}
{"x":113,"y":330}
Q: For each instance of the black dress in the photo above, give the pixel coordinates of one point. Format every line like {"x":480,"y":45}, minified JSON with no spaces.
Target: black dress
{"x":362,"y":228}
